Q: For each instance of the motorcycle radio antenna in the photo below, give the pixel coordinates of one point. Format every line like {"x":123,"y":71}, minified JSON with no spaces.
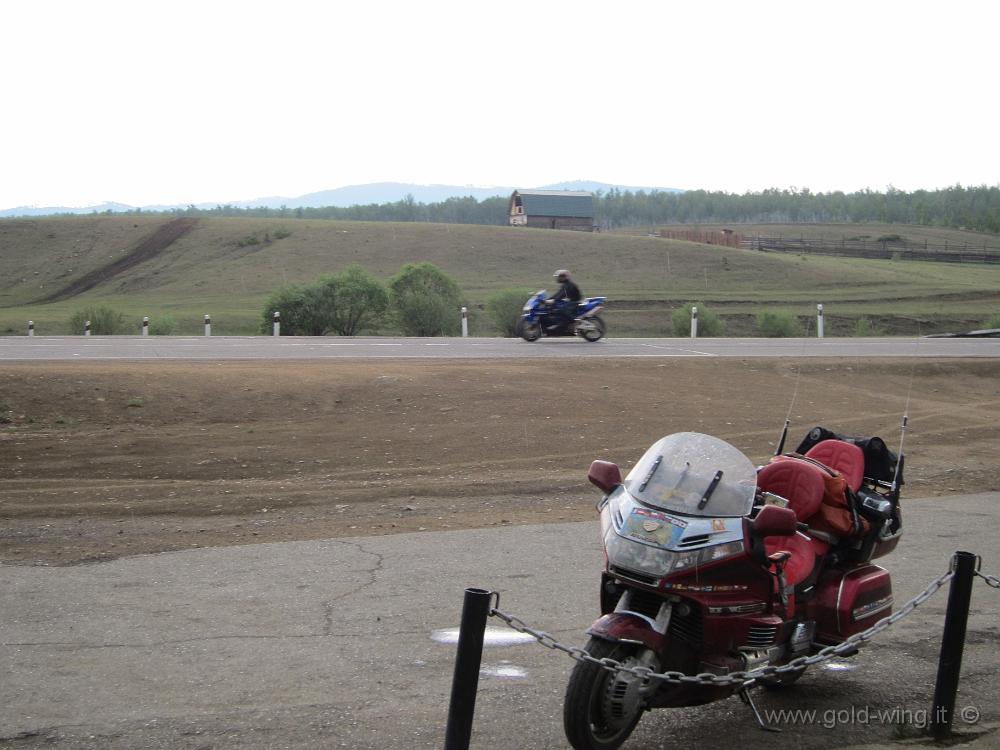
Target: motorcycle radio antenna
{"x":795,"y":394}
{"x":906,"y":415}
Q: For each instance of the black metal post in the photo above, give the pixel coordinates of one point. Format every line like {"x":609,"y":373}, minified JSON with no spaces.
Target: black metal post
{"x":469,"y":656}
{"x":952,"y":644}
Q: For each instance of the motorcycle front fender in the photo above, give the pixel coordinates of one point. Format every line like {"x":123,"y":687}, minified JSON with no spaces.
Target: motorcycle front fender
{"x":625,"y":627}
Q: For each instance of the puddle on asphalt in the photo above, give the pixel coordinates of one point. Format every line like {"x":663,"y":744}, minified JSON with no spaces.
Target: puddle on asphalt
{"x":492,"y":636}
{"x":839,"y":666}
{"x":504,"y":670}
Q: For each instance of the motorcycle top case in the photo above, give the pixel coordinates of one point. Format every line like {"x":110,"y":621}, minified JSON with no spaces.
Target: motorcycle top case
{"x":847,"y":602}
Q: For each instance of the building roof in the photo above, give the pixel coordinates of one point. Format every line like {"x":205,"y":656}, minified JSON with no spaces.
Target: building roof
{"x":572,"y":203}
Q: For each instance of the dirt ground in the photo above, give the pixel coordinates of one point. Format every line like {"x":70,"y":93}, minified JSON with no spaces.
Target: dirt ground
{"x":104,"y":460}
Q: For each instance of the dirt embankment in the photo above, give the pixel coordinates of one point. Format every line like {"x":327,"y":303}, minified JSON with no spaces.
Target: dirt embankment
{"x":104,"y":460}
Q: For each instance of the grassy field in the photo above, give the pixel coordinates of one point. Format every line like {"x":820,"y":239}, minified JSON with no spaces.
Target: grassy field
{"x":228,"y":266}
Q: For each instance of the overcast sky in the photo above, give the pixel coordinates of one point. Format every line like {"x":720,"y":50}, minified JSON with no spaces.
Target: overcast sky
{"x":174,"y":102}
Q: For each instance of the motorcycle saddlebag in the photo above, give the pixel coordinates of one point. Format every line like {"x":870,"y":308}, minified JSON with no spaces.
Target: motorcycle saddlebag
{"x":849,"y":601}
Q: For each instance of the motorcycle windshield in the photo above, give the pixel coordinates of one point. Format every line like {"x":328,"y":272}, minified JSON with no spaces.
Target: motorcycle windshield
{"x":696,"y":475}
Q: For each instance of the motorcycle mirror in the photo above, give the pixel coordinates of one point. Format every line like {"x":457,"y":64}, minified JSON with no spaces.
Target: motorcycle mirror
{"x":775,"y":521}
{"x":604,"y":475}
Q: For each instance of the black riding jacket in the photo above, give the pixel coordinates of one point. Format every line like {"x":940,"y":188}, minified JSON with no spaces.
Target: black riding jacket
{"x":569,"y":291}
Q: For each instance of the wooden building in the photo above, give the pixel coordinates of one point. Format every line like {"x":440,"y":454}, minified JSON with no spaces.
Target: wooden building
{"x":552,"y":209}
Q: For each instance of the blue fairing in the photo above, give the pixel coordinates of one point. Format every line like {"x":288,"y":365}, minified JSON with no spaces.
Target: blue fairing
{"x":535,"y":306}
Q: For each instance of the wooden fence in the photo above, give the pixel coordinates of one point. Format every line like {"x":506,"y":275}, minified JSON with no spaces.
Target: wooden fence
{"x":876,"y":249}
{"x":726,"y":239}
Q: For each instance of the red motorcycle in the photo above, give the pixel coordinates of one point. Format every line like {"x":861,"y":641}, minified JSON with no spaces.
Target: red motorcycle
{"x":715,"y":566}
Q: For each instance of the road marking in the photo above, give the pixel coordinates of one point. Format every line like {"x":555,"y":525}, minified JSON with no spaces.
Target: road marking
{"x":679,"y":349}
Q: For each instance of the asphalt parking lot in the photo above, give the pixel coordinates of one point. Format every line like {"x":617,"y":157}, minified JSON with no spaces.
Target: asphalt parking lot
{"x":345,"y":643}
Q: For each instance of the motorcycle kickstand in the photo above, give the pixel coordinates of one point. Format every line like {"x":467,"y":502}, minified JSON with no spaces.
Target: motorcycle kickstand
{"x":745,"y":697}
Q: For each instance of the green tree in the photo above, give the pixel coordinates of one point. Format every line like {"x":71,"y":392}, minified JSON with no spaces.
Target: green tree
{"x":709,"y":324}
{"x":425,"y":301}
{"x":360,"y":301}
{"x":505,"y":309}
{"x":304,"y":311}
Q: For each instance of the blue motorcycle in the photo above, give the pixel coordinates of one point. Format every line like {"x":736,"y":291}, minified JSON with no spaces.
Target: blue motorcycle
{"x":563,"y":318}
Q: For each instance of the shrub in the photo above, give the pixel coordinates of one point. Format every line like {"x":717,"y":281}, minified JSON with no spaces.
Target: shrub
{"x":709,"y":324}
{"x":425,"y":301}
{"x":301,"y":311}
{"x":164,"y":325}
{"x":867,"y":327}
{"x":505,"y":308}
{"x":344,"y":304}
{"x":103,"y":321}
{"x":359,"y":300}
{"x":776,"y":324}
{"x":993,"y":322}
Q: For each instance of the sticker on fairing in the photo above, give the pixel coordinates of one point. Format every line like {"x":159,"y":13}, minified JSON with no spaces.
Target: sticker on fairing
{"x":653,"y":528}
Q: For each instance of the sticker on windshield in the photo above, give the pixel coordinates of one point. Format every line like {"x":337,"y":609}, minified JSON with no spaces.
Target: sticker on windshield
{"x":652,"y":527}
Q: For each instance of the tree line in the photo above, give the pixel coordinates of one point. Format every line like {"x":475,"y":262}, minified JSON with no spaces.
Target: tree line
{"x":976,"y":208}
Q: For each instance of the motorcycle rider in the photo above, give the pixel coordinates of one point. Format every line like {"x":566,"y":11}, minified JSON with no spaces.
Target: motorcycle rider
{"x":564,"y":301}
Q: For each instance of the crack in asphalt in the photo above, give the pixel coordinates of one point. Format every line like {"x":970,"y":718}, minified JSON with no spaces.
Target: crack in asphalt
{"x":328,"y":606}
{"x":328,"y":621}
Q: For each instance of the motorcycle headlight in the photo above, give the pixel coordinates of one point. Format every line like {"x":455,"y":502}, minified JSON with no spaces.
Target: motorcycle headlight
{"x":704,"y":555}
{"x":649,"y":559}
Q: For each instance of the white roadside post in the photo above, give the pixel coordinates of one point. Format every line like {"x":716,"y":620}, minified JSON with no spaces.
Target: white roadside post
{"x":694,"y":322}
{"x":31,"y":328}
{"x":465,"y":322}
{"x":145,"y":325}
{"x":86,"y":328}
{"x":277,"y":323}
{"x":208,"y":325}
{"x":819,"y":321}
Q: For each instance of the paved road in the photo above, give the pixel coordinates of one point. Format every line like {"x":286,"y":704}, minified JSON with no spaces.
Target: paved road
{"x":332,"y":644}
{"x":18,"y":348}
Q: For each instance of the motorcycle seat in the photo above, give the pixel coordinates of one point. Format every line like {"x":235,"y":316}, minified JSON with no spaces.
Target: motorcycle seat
{"x":803,"y":552}
{"x":799,"y":482}
{"x":802,"y":484}
{"x":845,"y":458}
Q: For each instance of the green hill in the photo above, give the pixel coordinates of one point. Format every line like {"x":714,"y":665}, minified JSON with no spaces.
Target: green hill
{"x":151,"y":265}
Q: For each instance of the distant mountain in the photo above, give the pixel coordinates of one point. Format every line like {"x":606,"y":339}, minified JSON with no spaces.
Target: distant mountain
{"x":351,"y":195}
{"x":604,"y":187}
{"x":51,"y":210}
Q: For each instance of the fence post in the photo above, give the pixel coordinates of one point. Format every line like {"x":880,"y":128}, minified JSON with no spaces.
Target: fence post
{"x":465,"y":322}
{"x":952,"y":644}
{"x":277,"y":323}
{"x":86,"y":328}
{"x":145,"y":325}
{"x":208,"y":325}
{"x":694,"y":322}
{"x":31,"y":328}
{"x":468,"y":657}
{"x":819,"y":320}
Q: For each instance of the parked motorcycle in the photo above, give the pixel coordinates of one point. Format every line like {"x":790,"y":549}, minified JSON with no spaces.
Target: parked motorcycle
{"x":542,"y":318}
{"x":715,"y":566}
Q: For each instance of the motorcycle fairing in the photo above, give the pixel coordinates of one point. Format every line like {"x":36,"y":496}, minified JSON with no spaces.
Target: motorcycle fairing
{"x":628,"y":627}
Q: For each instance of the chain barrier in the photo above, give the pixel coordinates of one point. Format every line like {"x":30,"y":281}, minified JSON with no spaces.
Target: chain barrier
{"x":744,"y":679}
{"x":991,"y":581}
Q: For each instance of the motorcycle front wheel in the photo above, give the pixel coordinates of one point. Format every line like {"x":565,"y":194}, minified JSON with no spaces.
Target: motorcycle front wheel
{"x":601,"y":707}
{"x":529,"y":331}
{"x":592,"y":328}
